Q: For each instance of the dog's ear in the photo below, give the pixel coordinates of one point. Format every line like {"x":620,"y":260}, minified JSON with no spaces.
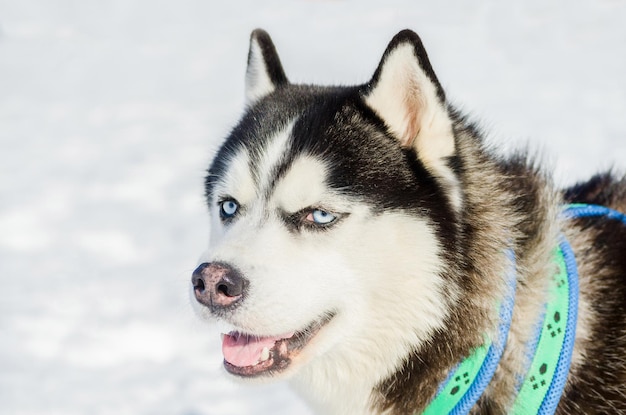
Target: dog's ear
{"x":406,"y":94}
{"x":264,"y":73}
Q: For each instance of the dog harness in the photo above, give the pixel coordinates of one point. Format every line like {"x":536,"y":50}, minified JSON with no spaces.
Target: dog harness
{"x":550,"y":352}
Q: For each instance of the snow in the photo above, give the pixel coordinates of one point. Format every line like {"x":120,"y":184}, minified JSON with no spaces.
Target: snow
{"x":110,"y":112}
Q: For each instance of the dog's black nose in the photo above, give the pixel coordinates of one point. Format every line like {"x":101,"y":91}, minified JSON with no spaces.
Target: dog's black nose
{"x":218,"y":285}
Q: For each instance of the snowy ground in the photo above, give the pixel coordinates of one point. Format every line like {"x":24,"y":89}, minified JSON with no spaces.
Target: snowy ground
{"x":110,"y":111}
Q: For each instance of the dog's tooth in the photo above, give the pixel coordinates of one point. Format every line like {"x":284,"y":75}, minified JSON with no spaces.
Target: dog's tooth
{"x":222,"y":335}
{"x":265,"y":354}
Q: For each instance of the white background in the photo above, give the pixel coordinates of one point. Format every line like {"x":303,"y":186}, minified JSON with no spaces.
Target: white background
{"x":110,"y":112}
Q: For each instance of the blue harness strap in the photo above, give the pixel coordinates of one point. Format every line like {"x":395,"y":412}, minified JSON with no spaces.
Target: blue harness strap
{"x":579,"y":210}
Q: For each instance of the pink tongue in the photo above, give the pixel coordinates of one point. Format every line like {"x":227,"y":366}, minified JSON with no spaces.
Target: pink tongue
{"x":244,"y":350}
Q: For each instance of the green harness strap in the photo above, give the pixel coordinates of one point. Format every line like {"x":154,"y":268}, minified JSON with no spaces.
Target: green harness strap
{"x":541,"y":373}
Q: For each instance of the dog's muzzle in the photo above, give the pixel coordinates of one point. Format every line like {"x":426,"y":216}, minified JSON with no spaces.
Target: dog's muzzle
{"x":218,"y":285}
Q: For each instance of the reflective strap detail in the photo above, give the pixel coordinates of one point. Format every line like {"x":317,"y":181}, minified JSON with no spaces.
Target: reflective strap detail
{"x":459,"y":383}
{"x":552,"y":398}
{"x":542,"y":380}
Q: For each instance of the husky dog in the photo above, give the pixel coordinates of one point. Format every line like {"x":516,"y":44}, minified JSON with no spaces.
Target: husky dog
{"x":361,"y":239}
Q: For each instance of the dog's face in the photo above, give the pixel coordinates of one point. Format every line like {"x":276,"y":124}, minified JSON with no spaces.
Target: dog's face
{"x":329,"y":214}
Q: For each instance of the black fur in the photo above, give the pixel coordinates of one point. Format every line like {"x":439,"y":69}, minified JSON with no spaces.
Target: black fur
{"x":274,"y":67}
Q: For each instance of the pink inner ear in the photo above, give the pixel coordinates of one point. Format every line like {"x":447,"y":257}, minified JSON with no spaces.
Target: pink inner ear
{"x":412,"y":124}
{"x":407,"y":100}
{"x":413,"y":107}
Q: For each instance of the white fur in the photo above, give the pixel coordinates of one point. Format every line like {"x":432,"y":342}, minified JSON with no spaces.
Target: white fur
{"x":258,"y":82}
{"x":390,"y":304}
{"x":303,"y":186}
{"x":379,"y":273}
{"x":406,"y":99}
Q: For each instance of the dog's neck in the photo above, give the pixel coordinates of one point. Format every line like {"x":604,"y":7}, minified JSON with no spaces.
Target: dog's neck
{"x":550,"y":352}
{"x":550,"y":359}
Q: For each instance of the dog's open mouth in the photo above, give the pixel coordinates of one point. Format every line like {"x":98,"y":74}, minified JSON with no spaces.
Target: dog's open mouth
{"x":249,"y":356}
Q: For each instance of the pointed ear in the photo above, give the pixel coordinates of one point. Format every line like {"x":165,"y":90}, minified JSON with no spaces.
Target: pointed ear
{"x":406,"y":94}
{"x":264,"y":73}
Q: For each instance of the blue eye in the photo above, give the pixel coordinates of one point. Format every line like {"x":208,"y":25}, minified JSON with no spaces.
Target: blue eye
{"x":228,"y":209}
{"x":320,"y":217}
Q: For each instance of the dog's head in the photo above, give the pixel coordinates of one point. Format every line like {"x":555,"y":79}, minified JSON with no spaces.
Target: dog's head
{"x":330,"y":207}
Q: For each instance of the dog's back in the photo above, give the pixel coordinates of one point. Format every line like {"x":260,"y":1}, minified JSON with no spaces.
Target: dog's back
{"x":599,"y":385}
{"x":602,"y":189}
